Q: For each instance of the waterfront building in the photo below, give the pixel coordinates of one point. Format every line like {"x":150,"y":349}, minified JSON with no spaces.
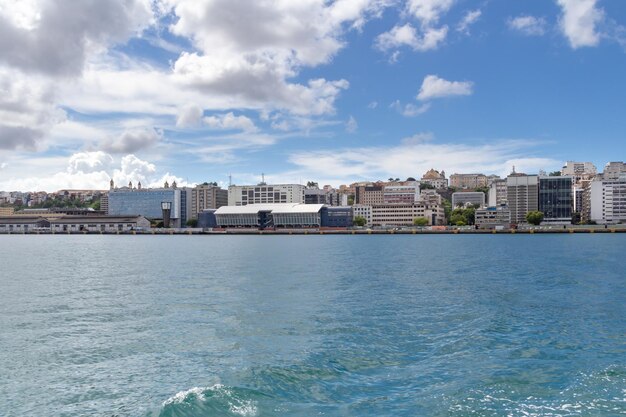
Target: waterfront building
{"x":104,"y":202}
{"x":405,"y":214}
{"x":607,"y":200}
{"x":498,"y":193}
{"x":492,"y":217}
{"x":61,"y":224}
{"x":555,"y":199}
{"x":147,"y":202}
{"x":206,"y":196}
{"x":468,"y":181}
{"x":365,"y":211}
{"x":463,"y":198}
{"x":522,"y":195}
{"x":6,"y":211}
{"x":435,"y":178}
{"x":241,"y":195}
{"x":285,"y":215}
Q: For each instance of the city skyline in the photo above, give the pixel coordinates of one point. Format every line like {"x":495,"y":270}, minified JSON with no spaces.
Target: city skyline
{"x":334,"y":92}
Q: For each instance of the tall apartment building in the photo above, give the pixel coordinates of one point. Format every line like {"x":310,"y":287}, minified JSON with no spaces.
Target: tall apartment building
{"x":555,"y":199}
{"x":579,"y":170}
{"x":468,"y":181}
{"x":607,"y":200}
{"x":241,"y":195}
{"x":207,"y":196}
{"x":327,"y":195}
{"x":522,"y":195}
{"x":613,"y":170}
{"x":498,"y":192}
{"x":104,"y":202}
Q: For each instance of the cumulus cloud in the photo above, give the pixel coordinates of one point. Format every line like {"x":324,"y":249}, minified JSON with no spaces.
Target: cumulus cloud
{"x":429,"y":36}
{"x":579,"y":22}
{"x":435,"y":87}
{"x":27,"y":110}
{"x":54,"y":36}
{"x":189,"y":116}
{"x":528,"y":25}
{"x":251,"y":50}
{"x":410,"y":109}
{"x":132,"y":141}
{"x":407,"y":35}
{"x":229,"y":121}
{"x":468,"y":20}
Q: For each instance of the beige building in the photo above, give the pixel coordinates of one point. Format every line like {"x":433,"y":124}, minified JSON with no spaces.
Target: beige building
{"x":468,"y":181}
{"x":522,"y":195}
{"x":405,"y":214}
{"x":6,"y":211}
{"x":242,"y":195}
{"x":435,"y":178}
{"x":369,"y":194}
{"x":497,"y":193}
{"x":493,"y":217}
{"x":207,"y":196}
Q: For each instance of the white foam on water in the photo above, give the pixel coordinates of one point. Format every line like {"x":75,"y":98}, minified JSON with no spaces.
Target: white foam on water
{"x":197,"y":391}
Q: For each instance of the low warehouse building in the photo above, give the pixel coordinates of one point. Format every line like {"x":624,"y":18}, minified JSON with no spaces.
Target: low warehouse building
{"x":282,"y":215}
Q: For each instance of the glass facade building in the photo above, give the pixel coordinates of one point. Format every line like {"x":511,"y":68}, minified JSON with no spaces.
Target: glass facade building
{"x":145,"y":202}
{"x":555,"y":199}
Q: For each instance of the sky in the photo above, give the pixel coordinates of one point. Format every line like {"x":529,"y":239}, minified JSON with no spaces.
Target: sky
{"x":309,"y":90}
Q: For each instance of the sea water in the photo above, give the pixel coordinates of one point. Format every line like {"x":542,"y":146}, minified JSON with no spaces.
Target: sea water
{"x":398,"y":325}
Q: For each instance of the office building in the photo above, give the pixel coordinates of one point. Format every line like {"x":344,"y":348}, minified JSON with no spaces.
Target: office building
{"x":607,"y":200}
{"x":555,"y":199}
{"x":522,"y":195}
{"x":369,"y":194}
{"x":614,"y":170}
{"x":405,"y":214}
{"x":493,"y":217}
{"x":401,"y":194}
{"x":464,"y":198}
{"x":206,"y":196}
{"x":146,"y":202}
{"x":241,"y":195}
{"x":327,"y":196}
{"x":468,"y":181}
{"x":361,"y":210}
{"x":271,"y":216}
{"x":579,"y":170}
{"x":498,"y":192}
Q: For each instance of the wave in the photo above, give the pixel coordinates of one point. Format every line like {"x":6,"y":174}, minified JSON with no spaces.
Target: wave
{"x":216,"y":400}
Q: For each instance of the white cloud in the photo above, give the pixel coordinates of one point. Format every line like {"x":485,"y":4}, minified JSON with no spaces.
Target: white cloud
{"x":410,"y":109}
{"x":528,"y":25}
{"x":229,"y":121}
{"x":579,"y":22}
{"x":428,"y":11}
{"x":88,"y":162}
{"x":351,"y":125}
{"x":418,"y":138}
{"x":468,"y":20}
{"x":189,"y":116}
{"x":55,"y":36}
{"x":132,"y":141}
{"x":435,"y":87}
{"x":407,"y":35}
{"x":372,"y":105}
{"x":413,"y":158}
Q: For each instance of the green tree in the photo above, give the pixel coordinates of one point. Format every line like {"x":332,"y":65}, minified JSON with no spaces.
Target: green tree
{"x":555,"y":174}
{"x":447,"y":208}
{"x":312,"y":184}
{"x":469,"y":214}
{"x":192,"y":223}
{"x":457,"y":219}
{"x":359,"y":221}
{"x":534,"y":217}
{"x":420,"y":221}
{"x":350,"y":200}
{"x":426,"y":186}
{"x":576,"y":218}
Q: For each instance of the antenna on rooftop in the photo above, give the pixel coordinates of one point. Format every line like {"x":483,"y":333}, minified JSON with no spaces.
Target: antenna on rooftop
{"x":230,"y":179}
{"x":262,"y":178}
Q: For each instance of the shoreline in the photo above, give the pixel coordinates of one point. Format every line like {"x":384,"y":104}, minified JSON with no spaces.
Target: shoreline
{"x":306,"y":232}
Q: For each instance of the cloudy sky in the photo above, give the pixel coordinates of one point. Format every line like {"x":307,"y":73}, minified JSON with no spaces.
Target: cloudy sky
{"x":332,"y":91}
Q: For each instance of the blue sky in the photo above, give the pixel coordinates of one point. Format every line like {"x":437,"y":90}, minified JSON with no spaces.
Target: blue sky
{"x":330,"y":91}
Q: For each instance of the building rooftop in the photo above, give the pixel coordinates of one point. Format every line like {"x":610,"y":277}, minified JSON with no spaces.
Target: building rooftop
{"x":277,"y":208}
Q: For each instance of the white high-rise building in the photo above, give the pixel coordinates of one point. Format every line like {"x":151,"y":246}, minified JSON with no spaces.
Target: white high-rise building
{"x":522,"y":195}
{"x":608,"y":200}
{"x":242,"y":195}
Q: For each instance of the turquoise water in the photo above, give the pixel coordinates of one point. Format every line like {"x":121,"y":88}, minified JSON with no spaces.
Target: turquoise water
{"x":523,"y":325}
